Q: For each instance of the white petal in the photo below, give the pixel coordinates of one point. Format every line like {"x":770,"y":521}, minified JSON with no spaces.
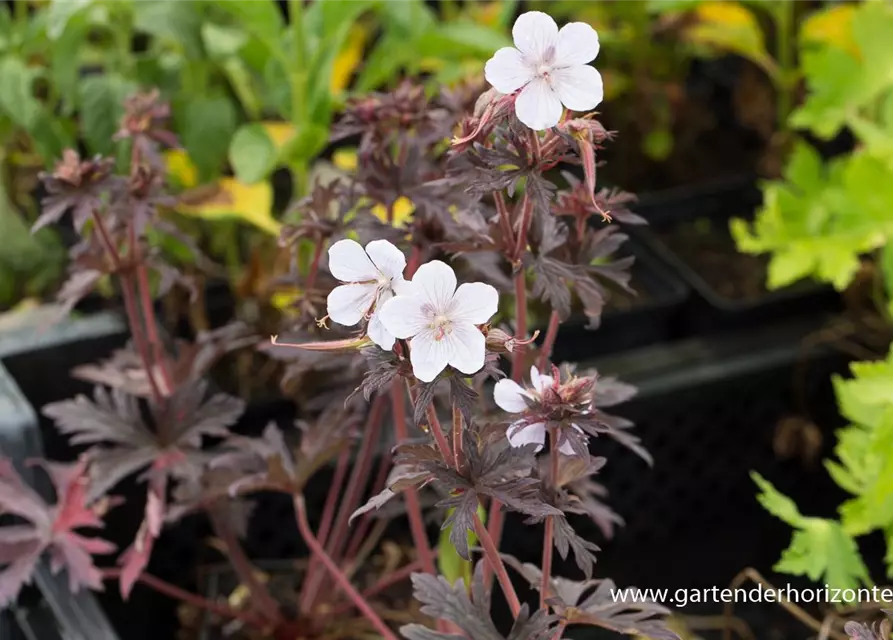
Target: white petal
{"x":538,"y":106}
{"x":539,"y":381}
{"x":402,"y":316}
{"x":380,"y":336}
{"x":348,"y":303}
{"x":535,"y":33}
{"x":402,"y":287}
{"x":579,"y":88}
{"x":509,"y":396}
{"x":467,"y":347}
{"x":387,"y":258}
{"x":474,"y":303}
{"x":577,"y":44}
{"x":428,"y":356}
{"x":435,"y":283}
{"x":349,"y":263}
{"x":519,"y":435}
{"x":506,"y":70}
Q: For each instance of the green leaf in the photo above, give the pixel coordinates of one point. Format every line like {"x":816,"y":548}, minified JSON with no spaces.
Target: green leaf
{"x":172,"y":22}
{"x":222,"y":41}
{"x":60,"y":12}
{"x":102,"y":105}
{"x":731,"y":27}
{"x":776,"y":502}
{"x":309,"y":141}
{"x":261,"y":18}
{"x":16,"y":98}
{"x":823,"y":552}
{"x":207,"y":127}
{"x":252,"y":154}
{"x":449,"y":562}
{"x":453,"y":40}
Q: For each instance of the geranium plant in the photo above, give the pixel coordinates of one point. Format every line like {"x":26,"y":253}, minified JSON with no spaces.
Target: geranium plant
{"x":392,"y":317}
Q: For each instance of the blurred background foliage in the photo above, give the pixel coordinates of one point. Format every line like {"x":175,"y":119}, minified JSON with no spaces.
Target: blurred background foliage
{"x":255,"y":85}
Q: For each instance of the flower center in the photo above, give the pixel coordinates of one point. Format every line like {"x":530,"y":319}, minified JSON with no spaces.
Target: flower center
{"x":438,"y":322}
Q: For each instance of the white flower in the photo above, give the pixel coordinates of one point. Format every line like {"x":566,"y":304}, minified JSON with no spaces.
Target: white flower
{"x":512,"y":398}
{"x":551,"y":66}
{"x":372,"y":276}
{"x":441,"y":320}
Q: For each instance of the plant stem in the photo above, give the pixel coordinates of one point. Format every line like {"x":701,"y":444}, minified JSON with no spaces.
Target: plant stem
{"x":314,"y":266}
{"x":335,"y":572}
{"x":413,"y":506}
{"x":784,"y":27}
{"x":193,"y":599}
{"x":505,"y":220}
{"x":305,"y":600}
{"x":260,"y":596}
{"x":491,"y":552}
{"x":389,"y":580}
{"x":437,"y":432}
{"x":548,"y":540}
{"x":361,"y":532}
{"x":457,"y":437}
{"x":357,"y":477}
{"x":549,"y":342}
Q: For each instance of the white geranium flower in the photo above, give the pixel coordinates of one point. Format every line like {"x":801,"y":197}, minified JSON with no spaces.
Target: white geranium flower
{"x":372,"y":276}
{"x":513,"y":398}
{"x":552,"y":66}
{"x":441,"y":320}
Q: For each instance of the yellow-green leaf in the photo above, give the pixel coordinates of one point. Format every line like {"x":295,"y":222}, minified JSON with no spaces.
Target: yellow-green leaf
{"x":402,"y":212}
{"x":833,"y":26}
{"x":349,"y":58}
{"x":251,"y":203}
{"x":731,"y":28}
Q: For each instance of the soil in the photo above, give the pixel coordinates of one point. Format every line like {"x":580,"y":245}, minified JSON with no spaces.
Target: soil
{"x":708,"y":248}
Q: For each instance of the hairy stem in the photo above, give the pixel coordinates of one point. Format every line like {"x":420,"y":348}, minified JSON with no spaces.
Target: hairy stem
{"x":549,"y":342}
{"x":505,"y":221}
{"x":548,"y":540}
{"x":413,"y":505}
{"x":457,"y":437}
{"x":343,"y":583}
{"x":260,"y":595}
{"x":193,"y":599}
{"x":437,"y":432}
{"x":491,"y":553}
{"x":305,"y":601}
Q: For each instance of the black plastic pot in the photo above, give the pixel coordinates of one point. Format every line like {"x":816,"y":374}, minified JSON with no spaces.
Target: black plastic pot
{"x":709,"y":310}
{"x":647,"y":322}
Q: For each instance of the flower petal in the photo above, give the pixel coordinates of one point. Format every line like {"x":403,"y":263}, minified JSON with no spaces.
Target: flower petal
{"x":402,"y":316}
{"x":348,"y":303}
{"x":349,"y":263}
{"x":520,"y":434}
{"x":387,"y":258}
{"x":474,"y":303}
{"x":535,"y":33}
{"x":428,"y":356}
{"x":577,"y":44}
{"x":579,"y":88}
{"x":537,"y":106}
{"x":509,"y":396}
{"x":539,"y":381}
{"x":380,"y":336}
{"x":467,"y":348}
{"x":402,"y":287}
{"x":506,"y":70}
{"x":435,"y":283}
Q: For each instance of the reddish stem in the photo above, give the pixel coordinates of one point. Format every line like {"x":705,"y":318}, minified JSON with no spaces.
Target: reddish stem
{"x":548,"y":540}
{"x":549,"y":341}
{"x":457,"y":437}
{"x":389,"y":580}
{"x":159,"y":359}
{"x":336,"y":573}
{"x":415,"y":258}
{"x":358,"y":537}
{"x":260,"y":595}
{"x":358,"y":476}
{"x":413,"y":505}
{"x":526,"y":205}
{"x":193,"y":599}
{"x":328,"y":515}
{"x":437,"y":431}
{"x":505,"y":220}
{"x":491,"y":552}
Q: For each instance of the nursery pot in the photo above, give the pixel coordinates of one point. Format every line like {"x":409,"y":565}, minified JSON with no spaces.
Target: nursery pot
{"x":689,"y":232}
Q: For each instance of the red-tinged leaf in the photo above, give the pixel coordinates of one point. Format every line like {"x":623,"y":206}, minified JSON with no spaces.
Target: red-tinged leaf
{"x":18,"y":498}
{"x":134,"y":560}
{"x":15,"y":576}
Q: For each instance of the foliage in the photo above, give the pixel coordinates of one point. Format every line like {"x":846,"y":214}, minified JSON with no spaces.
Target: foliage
{"x":482,"y":201}
{"x":823,"y":216}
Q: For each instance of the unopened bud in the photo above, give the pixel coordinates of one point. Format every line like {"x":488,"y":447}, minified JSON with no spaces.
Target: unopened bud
{"x":499,"y":341}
